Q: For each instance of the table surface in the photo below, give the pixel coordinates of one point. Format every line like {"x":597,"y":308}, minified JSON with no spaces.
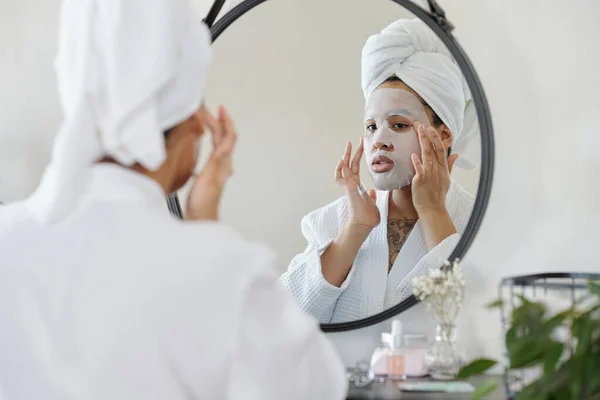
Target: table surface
{"x":389,"y":390}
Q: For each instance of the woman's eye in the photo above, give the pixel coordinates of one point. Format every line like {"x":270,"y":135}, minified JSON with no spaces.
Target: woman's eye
{"x":400,"y":125}
{"x":372,"y":128}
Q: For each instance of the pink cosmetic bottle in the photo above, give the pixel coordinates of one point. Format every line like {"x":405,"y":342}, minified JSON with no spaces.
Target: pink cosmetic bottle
{"x":397,"y":353}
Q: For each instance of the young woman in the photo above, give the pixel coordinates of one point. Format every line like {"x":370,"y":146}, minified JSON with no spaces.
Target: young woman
{"x":364,"y":248}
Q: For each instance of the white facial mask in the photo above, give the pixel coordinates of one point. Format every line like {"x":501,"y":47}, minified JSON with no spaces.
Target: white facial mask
{"x":389,"y":147}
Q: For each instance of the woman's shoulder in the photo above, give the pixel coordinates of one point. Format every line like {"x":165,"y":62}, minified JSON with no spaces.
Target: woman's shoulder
{"x":333,"y":213}
{"x":214,"y":245}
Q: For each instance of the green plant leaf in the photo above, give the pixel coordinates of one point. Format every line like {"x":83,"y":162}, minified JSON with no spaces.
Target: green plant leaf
{"x":530,"y":392}
{"x":576,"y":378}
{"x":511,"y":341}
{"x":528,"y":314}
{"x":551,"y":358}
{"x":546,"y":386}
{"x":495,"y":304}
{"x":484,"y":389}
{"x":530,"y":341}
{"x":575,"y":388}
{"x":559,"y":319}
{"x":476,"y":367}
{"x":583,"y":328}
{"x":561,"y":394}
{"x":594,"y":287}
{"x":576,"y":374}
{"x":530,"y":353}
{"x":593,"y":365}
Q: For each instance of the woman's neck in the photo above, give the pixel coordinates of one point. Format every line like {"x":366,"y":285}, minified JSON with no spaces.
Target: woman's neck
{"x":160,"y":175}
{"x":400,"y":204}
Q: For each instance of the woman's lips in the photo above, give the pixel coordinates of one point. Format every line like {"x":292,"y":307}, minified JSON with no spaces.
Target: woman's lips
{"x":382,"y":164}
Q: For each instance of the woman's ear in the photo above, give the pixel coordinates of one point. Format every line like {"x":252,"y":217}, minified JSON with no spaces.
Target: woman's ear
{"x":446,"y":136}
{"x":195,"y":124}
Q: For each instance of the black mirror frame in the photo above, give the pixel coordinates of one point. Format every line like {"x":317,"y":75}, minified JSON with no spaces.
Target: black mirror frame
{"x":437,"y":21}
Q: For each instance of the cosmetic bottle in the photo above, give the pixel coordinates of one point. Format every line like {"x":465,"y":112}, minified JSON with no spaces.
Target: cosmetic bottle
{"x":379,"y":360}
{"x":397,"y":353}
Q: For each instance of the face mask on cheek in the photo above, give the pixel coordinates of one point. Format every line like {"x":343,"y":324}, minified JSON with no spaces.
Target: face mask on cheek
{"x":388,"y":149}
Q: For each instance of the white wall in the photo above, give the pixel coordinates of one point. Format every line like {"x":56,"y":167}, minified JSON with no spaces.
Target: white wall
{"x":538,"y":61}
{"x":29,"y":111}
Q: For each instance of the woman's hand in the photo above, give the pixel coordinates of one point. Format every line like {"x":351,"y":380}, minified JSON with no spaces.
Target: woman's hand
{"x":430,"y":186}
{"x":363,"y":216}
{"x":432,"y":179}
{"x":363,"y":213}
{"x":205,"y":195}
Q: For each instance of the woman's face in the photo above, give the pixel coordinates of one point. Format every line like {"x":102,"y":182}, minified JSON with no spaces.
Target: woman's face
{"x":390,"y":136}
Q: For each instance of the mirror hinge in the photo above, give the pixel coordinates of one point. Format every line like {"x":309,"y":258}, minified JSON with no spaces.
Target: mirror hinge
{"x":440,"y":16}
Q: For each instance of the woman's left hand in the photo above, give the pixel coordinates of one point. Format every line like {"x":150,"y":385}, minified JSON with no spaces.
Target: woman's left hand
{"x":432,"y":179}
{"x":205,"y":194}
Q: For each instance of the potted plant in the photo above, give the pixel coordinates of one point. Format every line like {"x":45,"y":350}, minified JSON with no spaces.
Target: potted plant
{"x":568,"y":367}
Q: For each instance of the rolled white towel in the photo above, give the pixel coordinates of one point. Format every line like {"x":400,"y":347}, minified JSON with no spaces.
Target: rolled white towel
{"x":127,"y":70}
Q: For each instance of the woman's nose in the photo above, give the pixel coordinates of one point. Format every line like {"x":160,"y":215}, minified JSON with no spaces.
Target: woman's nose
{"x":383,"y":146}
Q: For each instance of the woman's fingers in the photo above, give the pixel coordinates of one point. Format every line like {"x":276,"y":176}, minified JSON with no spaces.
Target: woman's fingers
{"x":338,"y":171}
{"x":229,"y":133}
{"x":417,"y":164}
{"x":355,"y":167}
{"x":213,"y":125}
{"x":347,"y":154}
{"x":427,"y":153}
{"x":346,"y":160}
{"x":440,"y":151}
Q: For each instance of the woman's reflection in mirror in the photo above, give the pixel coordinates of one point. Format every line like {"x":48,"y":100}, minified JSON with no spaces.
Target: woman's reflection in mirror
{"x":365,"y":248}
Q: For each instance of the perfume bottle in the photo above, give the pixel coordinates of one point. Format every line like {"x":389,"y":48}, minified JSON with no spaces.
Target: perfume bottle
{"x":397,"y":353}
{"x":379,"y":360}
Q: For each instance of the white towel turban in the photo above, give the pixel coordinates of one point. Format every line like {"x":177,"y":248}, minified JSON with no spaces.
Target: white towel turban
{"x":410,"y":50}
{"x":127,"y":71}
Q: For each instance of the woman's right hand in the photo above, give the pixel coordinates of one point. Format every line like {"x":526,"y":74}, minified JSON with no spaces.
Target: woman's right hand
{"x":363,"y":213}
{"x":363,"y":216}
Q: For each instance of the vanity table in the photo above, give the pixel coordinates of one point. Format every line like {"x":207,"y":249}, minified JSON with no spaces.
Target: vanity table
{"x":388,"y":390}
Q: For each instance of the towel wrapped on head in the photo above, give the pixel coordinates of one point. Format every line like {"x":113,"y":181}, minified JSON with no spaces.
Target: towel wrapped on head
{"x":127,"y":71}
{"x":410,"y":50}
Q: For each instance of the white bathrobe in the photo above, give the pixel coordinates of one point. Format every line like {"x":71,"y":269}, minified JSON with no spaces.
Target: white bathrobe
{"x":368,"y":289}
{"x":120,"y":301}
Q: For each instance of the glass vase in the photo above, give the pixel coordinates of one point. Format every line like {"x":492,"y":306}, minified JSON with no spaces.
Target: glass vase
{"x":443,"y":359}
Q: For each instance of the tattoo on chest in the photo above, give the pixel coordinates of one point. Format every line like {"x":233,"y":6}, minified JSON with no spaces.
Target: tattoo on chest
{"x":397,"y":233}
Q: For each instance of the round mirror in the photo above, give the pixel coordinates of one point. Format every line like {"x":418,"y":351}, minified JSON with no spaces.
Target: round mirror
{"x":350,"y":118}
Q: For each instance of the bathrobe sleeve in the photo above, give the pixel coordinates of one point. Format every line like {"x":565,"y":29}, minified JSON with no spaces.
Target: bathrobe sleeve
{"x":304,"y":277}
{"x":281,"y":352}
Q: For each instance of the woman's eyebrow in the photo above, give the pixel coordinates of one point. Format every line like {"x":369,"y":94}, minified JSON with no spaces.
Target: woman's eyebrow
{"x":399,"y":113}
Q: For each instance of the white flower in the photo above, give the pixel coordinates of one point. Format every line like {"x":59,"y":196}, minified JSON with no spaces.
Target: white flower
{"x":441,"y":289}
{"x":436,"y":273}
